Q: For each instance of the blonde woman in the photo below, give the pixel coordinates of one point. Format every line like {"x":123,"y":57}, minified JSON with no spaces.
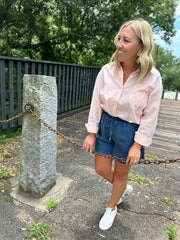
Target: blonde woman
{"x":124,"y":110}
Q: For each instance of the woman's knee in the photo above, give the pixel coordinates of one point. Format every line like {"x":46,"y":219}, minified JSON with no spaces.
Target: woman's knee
{"x":121,"y":171}
{"x":100,"y":170}
{"x":102,"y":167}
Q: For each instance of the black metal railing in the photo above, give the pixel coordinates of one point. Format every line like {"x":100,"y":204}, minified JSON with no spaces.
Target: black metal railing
{"x":74,"y":85}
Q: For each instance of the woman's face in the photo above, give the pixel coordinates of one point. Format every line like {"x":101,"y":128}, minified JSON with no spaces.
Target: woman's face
{"x":128,"y":45}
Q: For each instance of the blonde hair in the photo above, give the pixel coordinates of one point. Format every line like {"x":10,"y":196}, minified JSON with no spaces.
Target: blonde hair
{"x":143,"y":32}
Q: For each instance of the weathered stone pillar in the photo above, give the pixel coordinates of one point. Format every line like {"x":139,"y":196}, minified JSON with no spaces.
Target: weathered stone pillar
{"x":38,"y":145}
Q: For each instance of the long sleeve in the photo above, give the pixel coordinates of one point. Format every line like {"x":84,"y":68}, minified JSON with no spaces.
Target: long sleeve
{"x":95,"y":108}
{"x":148,"y":120}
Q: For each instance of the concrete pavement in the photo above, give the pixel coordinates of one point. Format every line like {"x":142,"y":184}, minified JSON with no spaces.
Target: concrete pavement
{"x":82,"y":195}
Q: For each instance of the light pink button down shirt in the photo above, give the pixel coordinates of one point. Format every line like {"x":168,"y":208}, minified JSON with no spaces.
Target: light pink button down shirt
{"x":133,"y":102}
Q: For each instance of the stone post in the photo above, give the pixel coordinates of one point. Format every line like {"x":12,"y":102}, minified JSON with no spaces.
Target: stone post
{"x":38,"y":144}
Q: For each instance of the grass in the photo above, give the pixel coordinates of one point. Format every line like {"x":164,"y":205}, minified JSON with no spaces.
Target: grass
{"x":3,"y":186}
{"x":4,"y":173}
{"x":150,"y":155}
{"x":51,"y":203}
{"x":39,"y":231}
{"x":169,"y":200}
{"x":170,"y":232}
{"x":9,"y":141}
{"x":13,"y":133}
{"x":7,"y":155}
{"x":5,"y":198}
{"x":61,"y":159}
{"x":139,"y":179}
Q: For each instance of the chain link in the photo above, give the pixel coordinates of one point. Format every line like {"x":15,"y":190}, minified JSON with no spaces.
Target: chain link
{"x":29,"y":108}
{"x":145,"y":161}
{"x":13,"y":118}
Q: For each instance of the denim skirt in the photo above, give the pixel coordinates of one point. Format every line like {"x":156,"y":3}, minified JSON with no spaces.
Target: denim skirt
{"x":115,"y":136}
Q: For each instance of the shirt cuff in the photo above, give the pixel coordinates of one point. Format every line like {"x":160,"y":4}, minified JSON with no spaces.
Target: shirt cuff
{"x":91,"y":129}
{"x":141,"y":139}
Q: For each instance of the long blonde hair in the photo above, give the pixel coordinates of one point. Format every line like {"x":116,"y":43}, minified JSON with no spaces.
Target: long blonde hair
{"x":143,"y":32}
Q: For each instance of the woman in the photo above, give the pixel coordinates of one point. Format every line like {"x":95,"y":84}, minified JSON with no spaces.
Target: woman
{"x":124,"y":109}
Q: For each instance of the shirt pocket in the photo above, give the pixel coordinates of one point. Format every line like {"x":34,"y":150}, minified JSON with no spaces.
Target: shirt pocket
{"x":139,"y":95}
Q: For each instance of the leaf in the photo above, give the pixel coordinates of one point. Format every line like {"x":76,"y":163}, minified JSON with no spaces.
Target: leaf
{"x":147,"y":197}
{"x":23,"y":229}
{"x":24,"y":219}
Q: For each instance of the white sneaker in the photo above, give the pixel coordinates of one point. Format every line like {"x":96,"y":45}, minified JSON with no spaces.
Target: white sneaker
{"x":127,"y":191}
{"x":108,"y":218}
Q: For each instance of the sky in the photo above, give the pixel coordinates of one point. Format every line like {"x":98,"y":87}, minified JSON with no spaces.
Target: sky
{"x":175,"y":43}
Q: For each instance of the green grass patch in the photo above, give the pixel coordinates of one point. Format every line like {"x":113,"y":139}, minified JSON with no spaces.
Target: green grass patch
{"x":170,"y":232}
{"x":5,"y":199}
{"x":3,"y":139}
{"x":4,"y":173}
{"x":9,"y":134}
{"x":139,"y":179}
{"x":3,"y":186}
{"x":51,"y":203}
{"x":39,"y":231}
{"x":150,"y":155}
{"x":7,"y":155}
{"x":169,"y":200}
{"x":61,"y":159}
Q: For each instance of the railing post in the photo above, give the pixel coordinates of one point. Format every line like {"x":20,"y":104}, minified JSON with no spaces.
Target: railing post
{"x":176,"y":97}
{"x":38,"y":144}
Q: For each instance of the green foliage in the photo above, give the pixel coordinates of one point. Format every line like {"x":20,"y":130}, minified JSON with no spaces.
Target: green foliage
{"x":13,"y":133}
{"x":169,"y":200}
{"x":139,"y":179}
{"x":3,"y":139}
{"x":61,"y":159}
{"x":51,"y":203}
{"x":169,"y":67}
{"x":75,"y":31}
{"x":170,"y":232}
{"x":7,"y":155}
{"x":5,"y":198}
{"x":4,"y":173}
{"x":39,"y":231}
{"x":3,"y":186}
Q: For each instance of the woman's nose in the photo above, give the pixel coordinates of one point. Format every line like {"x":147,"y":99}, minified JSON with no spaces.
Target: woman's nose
{"x":119,"y":44}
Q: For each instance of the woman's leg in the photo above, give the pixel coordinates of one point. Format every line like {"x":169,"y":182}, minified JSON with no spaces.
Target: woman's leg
{"x":103,"y":167}
{"x":120,"y":178}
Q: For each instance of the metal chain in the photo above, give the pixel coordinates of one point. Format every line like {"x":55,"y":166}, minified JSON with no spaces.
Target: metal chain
{"x":29,"y":108}
{"x":13,"y":118}
{"x":145,"y":161}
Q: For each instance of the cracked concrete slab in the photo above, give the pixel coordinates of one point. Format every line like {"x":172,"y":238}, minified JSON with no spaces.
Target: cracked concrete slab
{"x":142,"y":216}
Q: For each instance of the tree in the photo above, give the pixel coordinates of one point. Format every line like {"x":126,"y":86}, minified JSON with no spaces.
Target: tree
{"x":169,"y":67}
{"x":75,"y":31}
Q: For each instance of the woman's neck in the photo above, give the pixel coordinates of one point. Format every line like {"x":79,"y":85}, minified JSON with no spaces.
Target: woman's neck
{"x":128,"y":69}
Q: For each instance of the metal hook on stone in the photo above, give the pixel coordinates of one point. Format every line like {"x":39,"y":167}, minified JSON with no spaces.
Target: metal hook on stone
{"x":28,"y":107}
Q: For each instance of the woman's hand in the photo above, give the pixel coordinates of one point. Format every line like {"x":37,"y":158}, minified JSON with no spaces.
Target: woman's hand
{"x":134,"y":154}
{"x":89,"y":143}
